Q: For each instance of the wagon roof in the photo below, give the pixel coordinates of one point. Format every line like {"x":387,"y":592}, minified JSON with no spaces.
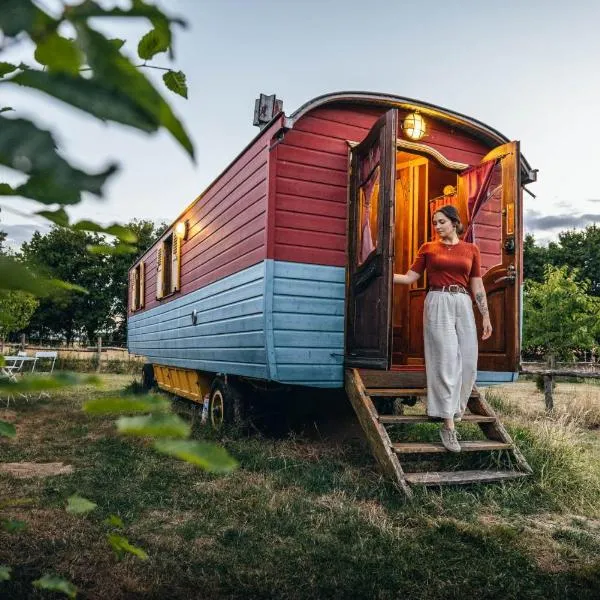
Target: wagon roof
{"x":477,"y":127}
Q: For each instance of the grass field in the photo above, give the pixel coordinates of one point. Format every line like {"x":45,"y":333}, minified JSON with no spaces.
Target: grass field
{"x":306,"y":515}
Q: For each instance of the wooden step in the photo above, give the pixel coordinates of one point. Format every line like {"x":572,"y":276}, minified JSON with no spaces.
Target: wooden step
{"x":394,"y":419}
{"x":437,"y":447}
{"x":399,"y":392}
{"x":460,"y":477}
{"x":395,"y":392}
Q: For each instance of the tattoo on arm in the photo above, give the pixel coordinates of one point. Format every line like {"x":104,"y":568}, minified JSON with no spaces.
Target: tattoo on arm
{"x":481,"y":301}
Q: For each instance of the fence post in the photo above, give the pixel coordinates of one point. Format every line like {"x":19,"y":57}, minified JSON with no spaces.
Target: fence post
{"x":99,"y":354}
{"x":549,"y":385}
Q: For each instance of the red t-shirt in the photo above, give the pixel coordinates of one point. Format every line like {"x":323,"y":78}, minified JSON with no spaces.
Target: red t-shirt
{"x":448,"y":265}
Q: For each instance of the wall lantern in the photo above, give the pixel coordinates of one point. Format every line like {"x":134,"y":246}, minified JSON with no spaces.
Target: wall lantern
{"x":414,"y":126}
{"x":181,"y":229}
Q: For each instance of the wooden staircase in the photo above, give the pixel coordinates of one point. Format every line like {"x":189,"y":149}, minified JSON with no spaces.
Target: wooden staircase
{"x":388,"y":453}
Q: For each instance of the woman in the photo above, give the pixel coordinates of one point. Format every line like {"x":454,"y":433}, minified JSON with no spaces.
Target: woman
{"x":448,"y":321}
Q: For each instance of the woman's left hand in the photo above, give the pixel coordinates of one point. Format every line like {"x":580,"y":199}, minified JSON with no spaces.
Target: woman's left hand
{"x":487,"y":328}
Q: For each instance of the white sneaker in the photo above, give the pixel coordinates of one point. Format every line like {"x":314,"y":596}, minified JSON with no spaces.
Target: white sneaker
{"x":449,"y":439}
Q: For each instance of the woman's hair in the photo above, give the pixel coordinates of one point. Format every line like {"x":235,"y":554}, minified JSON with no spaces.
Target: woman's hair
{"x":451,"y":213}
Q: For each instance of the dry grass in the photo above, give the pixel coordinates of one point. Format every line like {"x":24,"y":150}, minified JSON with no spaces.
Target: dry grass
{"x":301,"y":518}
{"x":578,"y":403}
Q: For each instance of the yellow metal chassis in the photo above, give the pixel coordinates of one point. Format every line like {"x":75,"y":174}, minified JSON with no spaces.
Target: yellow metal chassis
{"x":187,"y":383}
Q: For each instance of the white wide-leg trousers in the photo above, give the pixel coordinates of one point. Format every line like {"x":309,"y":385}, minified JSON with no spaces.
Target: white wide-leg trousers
{"x":450,"y":353}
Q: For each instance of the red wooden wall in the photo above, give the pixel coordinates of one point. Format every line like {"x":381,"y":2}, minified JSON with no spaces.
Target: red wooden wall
{"x":227,"y":224}
{"x":310,"y":170}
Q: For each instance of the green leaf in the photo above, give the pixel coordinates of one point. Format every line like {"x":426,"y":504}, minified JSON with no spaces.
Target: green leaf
{"x":114,"y":521}
{"x":25,"y":147}
{"x":121,"y":545}
{"x":5,"y":572}
{"x":59,"y":54}
{"x":175,"y":81}
{"x":105,"y":102}
{"x":117,"y":250}
{"x":6,"y":68}
{"x":154,"y":42}
{"x":36,"y":383}
{"x":14,"y":526}
{"x":79,"y":506}
{"x":117,"y":43}
{"x":209,"y":457}
{"x":53,"y":583}
{"x":113,"y":70}
{"x":123,"y":233}
{"x":6,"y":109}
{"x":60,"y":217}
{"x":154,"y":426}
{"x":126,"y":404}
{"x":7,"y":429}
{"x":17,"y":276}
{"x":22,"y":15}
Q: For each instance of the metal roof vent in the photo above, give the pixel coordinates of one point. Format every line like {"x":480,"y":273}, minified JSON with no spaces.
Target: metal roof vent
{"x":265,"y":108}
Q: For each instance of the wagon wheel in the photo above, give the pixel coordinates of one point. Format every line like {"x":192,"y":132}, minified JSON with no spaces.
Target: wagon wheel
{"x":148,"y":380}
{"x":225,"y":405}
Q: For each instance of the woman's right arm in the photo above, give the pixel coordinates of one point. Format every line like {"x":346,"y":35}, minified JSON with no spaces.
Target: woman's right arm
{"x":408,"y":278}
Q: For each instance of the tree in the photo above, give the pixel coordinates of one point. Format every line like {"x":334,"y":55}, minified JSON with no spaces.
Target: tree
{"x":577,"y":249}
{"x":16,"y":309}
{"x":534,"y":259}
{"x":63,"y":254}
{"x":559,"y":314}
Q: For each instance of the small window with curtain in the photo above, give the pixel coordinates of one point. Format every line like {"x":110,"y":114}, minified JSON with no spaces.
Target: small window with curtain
{"x":168,"y":266}
{"x":138,"y":287}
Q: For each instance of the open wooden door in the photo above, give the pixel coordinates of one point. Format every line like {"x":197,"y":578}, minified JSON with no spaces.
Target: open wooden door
{"x":371,"y":247}
{"x":497,"y":231}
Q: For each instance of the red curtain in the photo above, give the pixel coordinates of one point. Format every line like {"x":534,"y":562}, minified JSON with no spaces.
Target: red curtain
{"x":477,"y":182}
{"x":367,"y":246}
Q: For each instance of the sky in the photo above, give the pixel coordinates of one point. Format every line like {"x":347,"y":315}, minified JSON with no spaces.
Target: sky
{"x":527,"y":68}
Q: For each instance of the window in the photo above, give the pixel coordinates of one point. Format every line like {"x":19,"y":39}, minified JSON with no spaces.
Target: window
{"x":168,"y":266}
{"x":138,"y":287}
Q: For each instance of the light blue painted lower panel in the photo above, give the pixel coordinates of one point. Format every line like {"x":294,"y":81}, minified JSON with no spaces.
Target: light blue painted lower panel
{"x":485,"y":378}
{"x":308,"y":324}
{"x":228,"y":335}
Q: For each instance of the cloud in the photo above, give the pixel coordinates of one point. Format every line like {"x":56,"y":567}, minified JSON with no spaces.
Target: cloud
{"x":535,"y":221}
{"x":17,"y":234}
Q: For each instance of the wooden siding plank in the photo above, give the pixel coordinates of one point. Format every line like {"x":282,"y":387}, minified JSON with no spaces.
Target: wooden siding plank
{"x":310,"y":255}
{"x":313,"y":141}
{"x":310,"y":273}
{"x":317,"y":158}
{"x":310,"y":189}
{"x":317,"y":174}
{"x":306,"y":222}
{"x":313,"y":289}
{"x":309,"y":305}
{"x":311,"y":206}
{"x":310,"y":239}
{"x":331,"y":129}
{"x":334,"y":340}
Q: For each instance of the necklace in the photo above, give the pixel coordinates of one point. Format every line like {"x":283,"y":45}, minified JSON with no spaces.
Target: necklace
{"x":449,"y":246}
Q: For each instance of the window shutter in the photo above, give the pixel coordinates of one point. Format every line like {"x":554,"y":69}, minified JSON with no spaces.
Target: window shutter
{"x":132,"y":290}
{"x":142,"y":283}
{"x":159,"y":273}
{"x":176,"y":270}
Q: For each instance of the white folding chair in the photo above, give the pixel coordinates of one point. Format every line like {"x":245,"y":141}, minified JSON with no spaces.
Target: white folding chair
{"x":48,"y":355}
{"x":10,"y":372}
{"x":45,"y":355}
